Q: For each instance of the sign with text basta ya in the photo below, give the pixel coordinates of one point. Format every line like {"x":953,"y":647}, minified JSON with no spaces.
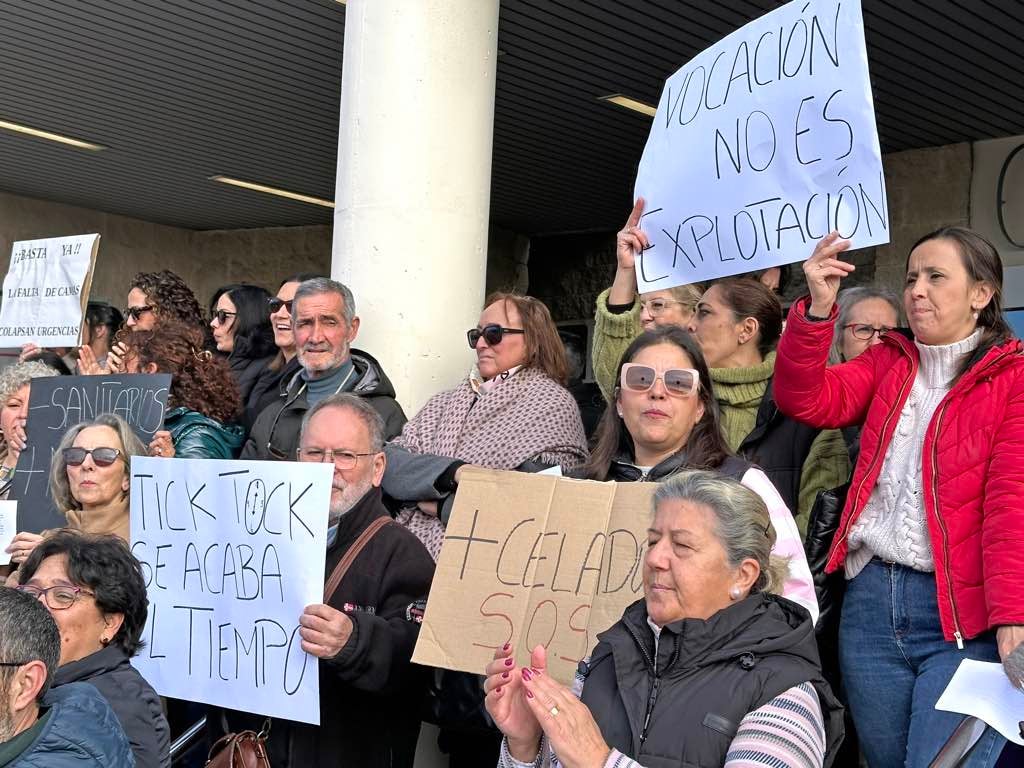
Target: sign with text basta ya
{"x":46,"y":290}
{"x":763,"y":144}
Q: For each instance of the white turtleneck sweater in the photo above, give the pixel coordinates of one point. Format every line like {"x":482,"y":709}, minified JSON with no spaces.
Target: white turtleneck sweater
{"x":893,"y":525}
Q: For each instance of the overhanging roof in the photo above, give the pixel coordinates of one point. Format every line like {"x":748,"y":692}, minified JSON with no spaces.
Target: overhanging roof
{"x":180,"y":90}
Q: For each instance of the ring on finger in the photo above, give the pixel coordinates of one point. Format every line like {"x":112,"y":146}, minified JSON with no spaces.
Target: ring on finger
{"x":554,"y":711}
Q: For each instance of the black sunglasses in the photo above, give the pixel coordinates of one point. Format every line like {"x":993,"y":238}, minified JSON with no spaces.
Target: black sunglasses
{"x":491,"y":333}
{"x":136,"y":312}
{"x":101,"y":457}
{"x":275,"y":304}
{"x":222,"y":315}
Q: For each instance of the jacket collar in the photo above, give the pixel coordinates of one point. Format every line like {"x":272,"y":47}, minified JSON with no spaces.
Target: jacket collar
{"x":98,"y":663}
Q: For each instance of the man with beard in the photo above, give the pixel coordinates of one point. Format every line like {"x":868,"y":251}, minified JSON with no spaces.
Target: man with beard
{"x":68,"y":727}
{"x":324,"y":323}
{"x":370,"y":693}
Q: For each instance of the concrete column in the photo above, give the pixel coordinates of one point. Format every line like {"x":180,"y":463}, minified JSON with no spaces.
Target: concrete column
{"x":413,"y":187}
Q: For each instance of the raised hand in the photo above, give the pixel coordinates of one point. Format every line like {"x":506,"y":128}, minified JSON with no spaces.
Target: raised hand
{"x":116,"y":356}
{"x":571,"y":730}
{"x":824,"y":271}
{"x":629,"y":241}
{"x":506,"y":702}
{"x":162,"y":445}
{"x":88,"y":365}
{"x":27,"y":350}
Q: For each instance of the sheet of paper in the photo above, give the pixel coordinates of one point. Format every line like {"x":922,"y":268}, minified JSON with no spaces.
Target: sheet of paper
{"x":762,"y":144}
{"x":983,"y":690}
{"x":555,"y":470}
{"x":8,"y":527}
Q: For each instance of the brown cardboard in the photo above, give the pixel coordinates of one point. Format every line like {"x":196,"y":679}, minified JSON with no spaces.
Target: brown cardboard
{"x":534,"y":559}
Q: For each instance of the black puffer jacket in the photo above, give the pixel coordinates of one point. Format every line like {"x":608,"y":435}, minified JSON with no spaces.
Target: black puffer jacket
{"x":680,"y":703}
{"x":133,"y":700}
{"x":275,"y":435}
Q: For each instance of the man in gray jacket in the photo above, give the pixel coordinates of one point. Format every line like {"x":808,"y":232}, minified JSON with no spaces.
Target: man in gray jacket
{"x":69,"y":727}
{"x":325,"y":325}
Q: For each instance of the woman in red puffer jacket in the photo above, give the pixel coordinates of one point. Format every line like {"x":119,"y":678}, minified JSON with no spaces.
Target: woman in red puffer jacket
{"x":934,"y":523}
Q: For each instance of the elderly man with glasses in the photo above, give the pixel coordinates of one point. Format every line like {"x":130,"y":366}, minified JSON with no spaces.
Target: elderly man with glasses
{"x":67,"y":727}
{"x":377,"y":579}
{"x":325,"y":325}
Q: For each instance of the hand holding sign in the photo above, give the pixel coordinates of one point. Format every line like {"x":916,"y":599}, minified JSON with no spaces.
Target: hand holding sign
{"x":325,"y":630}
{"x":824,"y":270}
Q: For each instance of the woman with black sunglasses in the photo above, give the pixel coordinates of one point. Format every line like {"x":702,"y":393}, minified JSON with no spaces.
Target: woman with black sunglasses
{"x":282,"y":369}
{"x":240,"y":321}
{"x":90,"y":480}
{"x":663,"y":419}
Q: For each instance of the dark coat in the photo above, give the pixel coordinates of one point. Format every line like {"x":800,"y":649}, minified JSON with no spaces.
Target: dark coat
{"x":133,"y":700}
{"x":270,"y":388}
{"x":370,"y":693}
{"x":196,"y":436}
{"x":81,"y":731}
{"x":281,"y":423}
{"x":681,"y":703}
{"x":247,"y":372}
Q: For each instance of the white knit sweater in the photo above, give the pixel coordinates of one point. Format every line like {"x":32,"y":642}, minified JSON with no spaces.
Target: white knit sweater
{"x":893,"y":524}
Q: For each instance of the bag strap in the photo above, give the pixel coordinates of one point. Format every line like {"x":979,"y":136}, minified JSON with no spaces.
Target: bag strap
{"x":353,"y":552}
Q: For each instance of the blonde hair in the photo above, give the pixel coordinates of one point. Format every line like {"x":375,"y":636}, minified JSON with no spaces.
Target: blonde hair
{"x":743,"y":525}
{"x":60,"y":488}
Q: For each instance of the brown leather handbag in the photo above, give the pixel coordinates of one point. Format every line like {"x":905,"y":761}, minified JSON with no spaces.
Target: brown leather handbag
{"x":245,"y":749}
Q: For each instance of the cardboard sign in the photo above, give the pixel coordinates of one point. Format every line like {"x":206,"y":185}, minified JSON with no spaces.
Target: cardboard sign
{"x":232,"y":553}
{"x":532,"y":559}
{"x":46,"y":291}
{"x":59,"y":402}
{"x":761,"y":145}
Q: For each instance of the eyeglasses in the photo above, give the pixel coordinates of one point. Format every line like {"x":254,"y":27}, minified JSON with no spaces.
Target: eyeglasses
{"x":342,"y":459}
{"x":275,"y":305}
{"x":57,"y":598}
{"x":637,"y":377}
{"x":222,"y":315}
{"x":866,"y":332}
{"x":136,"y":312}
{"x":101,"y":457}
{"x":655,"y":307}
{"x":491,"y":333}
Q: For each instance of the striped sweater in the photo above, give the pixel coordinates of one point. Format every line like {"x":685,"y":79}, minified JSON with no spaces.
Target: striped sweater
{"x":787,"y":732}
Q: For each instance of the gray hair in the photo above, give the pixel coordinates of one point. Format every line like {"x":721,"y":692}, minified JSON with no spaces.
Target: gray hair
{"x":60,"y":488}
{"x":320,"y":285}
{"x":363,"y":410}
{"x":743,"y":525}
{"x":849,"y":298}
{"x":16,"y":376}
{"x":35,"y":639}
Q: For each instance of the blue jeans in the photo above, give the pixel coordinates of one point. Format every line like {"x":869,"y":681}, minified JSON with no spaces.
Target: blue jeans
{"x":895,"y":665}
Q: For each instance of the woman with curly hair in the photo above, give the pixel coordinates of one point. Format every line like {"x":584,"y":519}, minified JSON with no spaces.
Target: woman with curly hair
{"x":203,"y":406}
{"x":158,"y":296}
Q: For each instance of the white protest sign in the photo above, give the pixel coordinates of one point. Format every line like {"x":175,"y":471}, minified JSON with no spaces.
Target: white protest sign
{"x":232,"y":552}
{"x":46,"y":290}
{"x":8,"y":528}
{"x":761,"y":145}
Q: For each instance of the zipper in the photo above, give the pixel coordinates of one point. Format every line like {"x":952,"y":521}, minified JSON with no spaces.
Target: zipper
{"x":652,"y":664}
{"x":957,"y":634}
{"x":885,"y":424}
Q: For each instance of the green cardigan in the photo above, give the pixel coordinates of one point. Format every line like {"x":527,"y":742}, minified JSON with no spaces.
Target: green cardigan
{"x":612,"y":334}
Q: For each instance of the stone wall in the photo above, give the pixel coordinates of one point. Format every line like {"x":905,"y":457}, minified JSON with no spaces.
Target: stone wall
{"x":926,"y":189}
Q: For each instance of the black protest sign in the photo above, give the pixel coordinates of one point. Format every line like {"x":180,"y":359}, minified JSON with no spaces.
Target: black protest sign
{"x":59,"y":402}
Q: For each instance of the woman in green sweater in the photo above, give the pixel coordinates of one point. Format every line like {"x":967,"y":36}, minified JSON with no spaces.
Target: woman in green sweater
{"x":738,"y":323}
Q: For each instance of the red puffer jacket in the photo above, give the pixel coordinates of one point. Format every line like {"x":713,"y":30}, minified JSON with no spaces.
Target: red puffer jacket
{"x":973,"y":459}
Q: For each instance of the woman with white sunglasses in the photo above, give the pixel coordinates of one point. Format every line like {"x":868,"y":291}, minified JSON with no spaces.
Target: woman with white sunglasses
{"x":664,"y":419}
